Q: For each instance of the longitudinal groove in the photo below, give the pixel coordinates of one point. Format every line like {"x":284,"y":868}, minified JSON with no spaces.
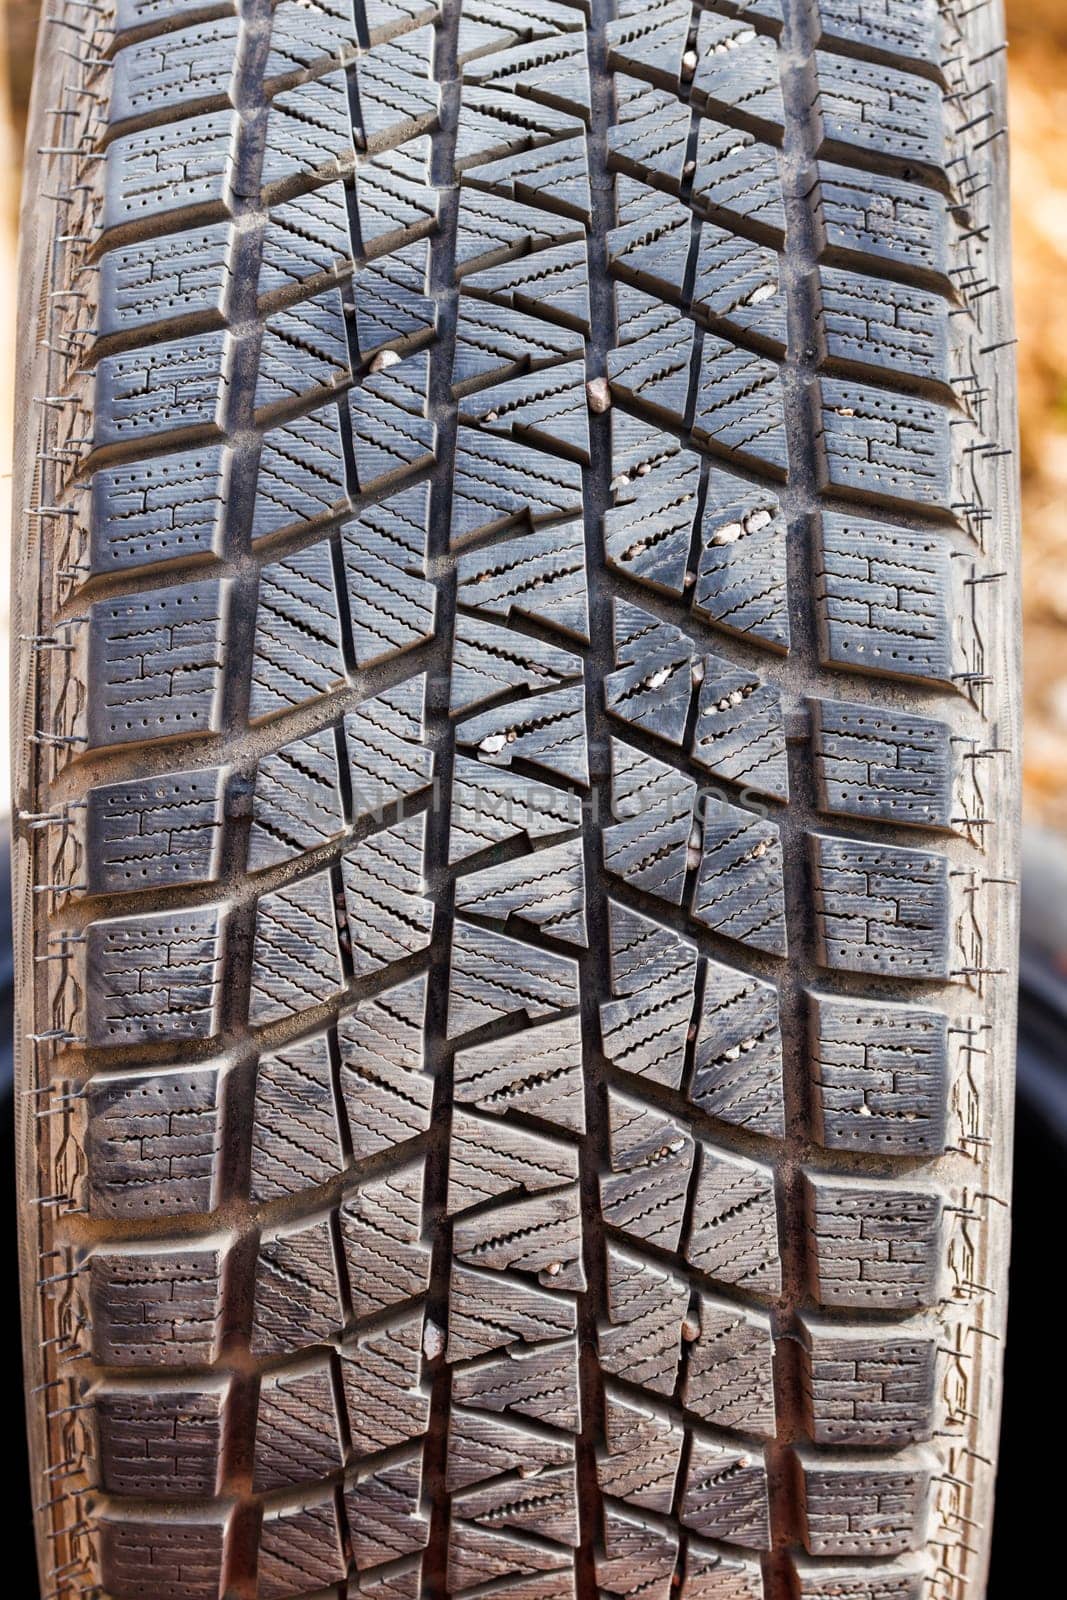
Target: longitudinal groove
{"x":800,"y":500}
{"x":440,"y":736}
{"x":594,"y":967}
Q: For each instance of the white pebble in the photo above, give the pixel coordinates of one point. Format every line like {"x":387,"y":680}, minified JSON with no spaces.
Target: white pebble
{"x":599,"y":395}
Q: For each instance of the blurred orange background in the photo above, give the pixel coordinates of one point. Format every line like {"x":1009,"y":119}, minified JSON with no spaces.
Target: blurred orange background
{"x":1037,"y":75}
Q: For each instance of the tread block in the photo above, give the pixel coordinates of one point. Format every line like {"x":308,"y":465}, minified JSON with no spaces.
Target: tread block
{"x":481,"y":1447}
{"x":860,"y":1508}
{"x":873,"y":1244}
{"x":880,"y":908}
{"x":301,"y":476}
{"x":649,"y":139}
{"x":547,"y":730}
{"x":151,"y":1142}
{"x":889,"y":327}
{"x":295,"y":1138}
{"x":645,"y":1027}
{"x":301,"y":1550}
{"x":494,"y":122}
{"x":741,"y":577}
{"x":645,"y":1193}
{"x":729,"y":1379}
{"x":476,"y":1554}
{"x":885,"y":764}
{"x":740,"y":729}
{"x":154,"y":977}
{"x":548,"y":1507}
{"x":128,"y":15}
{"x":391,"y":605}
{"x":642,"y":1451}
{"x":490,"y":25}
{"x":739,"y":406}
{"x":648,"y":845}
{"x":381,"y":1230}
{"x":488,"y":660}
{"x":155,"y":664}
{"x":297,"y":650}
{"x":381,"y":1373}
{"x":177,"y":72}
{"x":177,"y":385}
{"x":170,"y":171}
{"x":539,"y":575}
{"x":726,"y":1495}
{"x":296,"y":804}
{"x":489,"y":1311}
{"x":488,"y":1159}
{"x":552,"y":71}
{"x":884,"y":444}
{"x":540,"y":1235}
{"x":650,"y":42}
{"x":734,"y":1238}
{"x":539,"y":1381}
{"x":395,"y":201}
{"x":880,"y":1076}
{"x":739,"y":283}
{"x":737,"y":1072}
{"x":552,"y":284}
{"x":554,"y":176}
{"x":394,"y":308}
{"x":388,"y":915}
{"x":885,"y":599}
{"x":169,"y":508}
{"x":735,"y":1231}
{"x":309,"y":135}
{"x":384,"y":1085}
{"x":392,"y":435}
{"x":178,"y":275}
{"x":490,"y":805}
{"x":297,"y":1300}
{"x":879,"y":109}
{"x":182,"y":1560}
{"x":646,"y":1306}
{"x":740,"y":890}
{"x":737,"y":178}
{"x":637,"y":1556}
{"x":499,"y":481}
{"x":543,"y":1078}
{"x":392,"y":75}
{"x":737,"y":75}
{"x":869,"y":1386}
{"x":545,"y":889}
{"x":305,"y":238}
{"x":653,"y":685}
{"x":154,"y":832}
{"x":298,"y":1431}
{"x":905,"y":28}
{"x":161,"y":1444}
{"x":387,"y":760}
{"x":155,"y":1309}
{"x":649,"y":528}
{"x":304,"y":35}
{"x":547,"y":409}
{"x":295,"y":958}
{"x":653,"y":364}
{"x":304,"y":354}
{"x":871,"y":215}
{"x":899,"y":1581}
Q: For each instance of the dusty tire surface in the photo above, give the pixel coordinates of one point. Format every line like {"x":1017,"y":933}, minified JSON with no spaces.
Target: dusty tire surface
{"x":516,"y":711}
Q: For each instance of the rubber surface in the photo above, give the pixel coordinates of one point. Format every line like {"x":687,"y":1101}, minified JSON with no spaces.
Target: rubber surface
{"x":516,"y":822}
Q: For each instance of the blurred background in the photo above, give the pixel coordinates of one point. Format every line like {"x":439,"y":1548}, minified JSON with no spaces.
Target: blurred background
{"x":1035,"y":1408}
